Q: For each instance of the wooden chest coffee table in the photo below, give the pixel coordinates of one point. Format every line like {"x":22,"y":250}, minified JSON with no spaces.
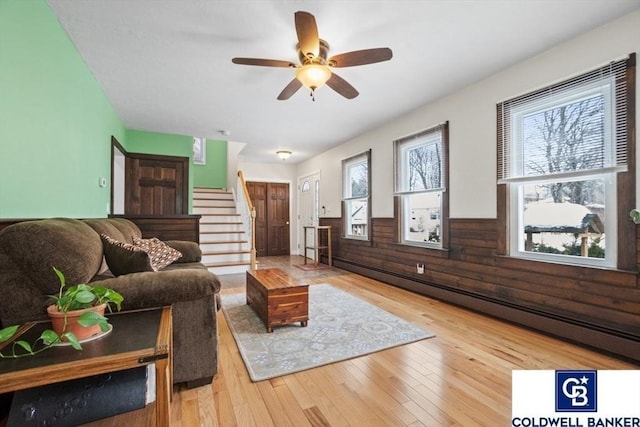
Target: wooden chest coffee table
{"x":277,"y":298}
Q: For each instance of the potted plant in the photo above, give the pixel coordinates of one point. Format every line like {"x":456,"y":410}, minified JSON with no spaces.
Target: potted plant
{"x":77,"y":313}
{"x":79,"y":309}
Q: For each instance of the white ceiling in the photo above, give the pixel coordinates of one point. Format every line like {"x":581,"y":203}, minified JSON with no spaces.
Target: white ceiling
{"x":166,"y":65}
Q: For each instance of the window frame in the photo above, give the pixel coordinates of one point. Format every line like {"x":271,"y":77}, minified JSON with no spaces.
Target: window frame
{"x":402,"y":193}
{"x":348,"y":198}
{"x":622,"y":180}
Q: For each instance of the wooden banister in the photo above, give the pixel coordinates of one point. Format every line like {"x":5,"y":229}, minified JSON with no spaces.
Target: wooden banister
{"x":252,"y":214}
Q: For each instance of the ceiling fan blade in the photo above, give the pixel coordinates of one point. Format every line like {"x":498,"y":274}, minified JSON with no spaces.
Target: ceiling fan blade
{"x":307,"y":31}
{"x":290,"y":89}
{"x":361,"y":57}
{"x":264,"y":62}
{"x":341,"y":86}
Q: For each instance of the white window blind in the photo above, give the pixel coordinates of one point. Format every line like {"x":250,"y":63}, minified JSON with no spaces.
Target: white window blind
{"x":583,"y":119}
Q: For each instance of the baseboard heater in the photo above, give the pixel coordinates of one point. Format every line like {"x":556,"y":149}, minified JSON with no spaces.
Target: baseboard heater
{"x":596,"y":336}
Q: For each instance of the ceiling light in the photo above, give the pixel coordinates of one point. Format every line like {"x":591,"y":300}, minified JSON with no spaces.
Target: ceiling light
{"x":313,"y":75}
{"x":284,"y":155}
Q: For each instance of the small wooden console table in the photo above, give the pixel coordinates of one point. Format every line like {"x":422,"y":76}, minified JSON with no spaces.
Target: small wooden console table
{"x":317,"y":247}
{"x":138,"y":338}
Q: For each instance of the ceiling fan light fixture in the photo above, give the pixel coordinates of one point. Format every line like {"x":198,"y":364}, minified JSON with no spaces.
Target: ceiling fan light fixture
{"x":313,"y":75}
{"x":283,"y":154}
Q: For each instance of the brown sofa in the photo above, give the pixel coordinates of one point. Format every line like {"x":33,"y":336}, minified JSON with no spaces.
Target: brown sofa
{"x":29,"y":250}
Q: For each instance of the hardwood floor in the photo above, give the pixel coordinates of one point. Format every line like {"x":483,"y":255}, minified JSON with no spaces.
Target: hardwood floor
{"x":461,"y":377}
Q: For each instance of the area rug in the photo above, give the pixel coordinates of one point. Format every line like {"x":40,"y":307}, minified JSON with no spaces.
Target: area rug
{"x":341,"y":326}
{"x":312,"y":266}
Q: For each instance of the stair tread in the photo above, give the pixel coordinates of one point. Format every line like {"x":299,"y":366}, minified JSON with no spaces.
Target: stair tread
{"x":209,"y":190}
{"x":213,"y":204}
{"x":225,"y":252}
{"x":223,"y":232}
{"x":218,"y":214}
{"x":225,"y":264}
{"x":223,"y":242}
{"x":221,"y":223}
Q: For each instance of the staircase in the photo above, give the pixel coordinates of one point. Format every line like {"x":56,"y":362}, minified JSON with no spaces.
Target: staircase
{"x":225,"y":246}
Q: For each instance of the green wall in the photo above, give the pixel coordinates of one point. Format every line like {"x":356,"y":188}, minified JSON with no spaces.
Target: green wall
{"x":56,"y":124}
{"x":55,"y":121}
{"x":213,"y":174}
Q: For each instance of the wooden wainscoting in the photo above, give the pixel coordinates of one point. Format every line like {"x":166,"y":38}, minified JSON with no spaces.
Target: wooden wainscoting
{"x":167,"y":227}
{"x":595,"y":307}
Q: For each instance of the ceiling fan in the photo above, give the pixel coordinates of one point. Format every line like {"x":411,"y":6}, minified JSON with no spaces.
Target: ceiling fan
{"x":314,"y":69}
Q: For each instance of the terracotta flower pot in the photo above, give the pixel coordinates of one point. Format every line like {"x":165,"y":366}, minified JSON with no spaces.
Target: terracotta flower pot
{"x":81,"y":332}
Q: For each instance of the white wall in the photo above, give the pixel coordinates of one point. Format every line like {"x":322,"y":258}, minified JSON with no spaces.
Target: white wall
{"x":233,"y":152}
{"x":117,"y":180}
{"x":471,"y":113}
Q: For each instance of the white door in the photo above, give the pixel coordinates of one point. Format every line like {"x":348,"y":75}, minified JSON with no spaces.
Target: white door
{"x":308,"y":209}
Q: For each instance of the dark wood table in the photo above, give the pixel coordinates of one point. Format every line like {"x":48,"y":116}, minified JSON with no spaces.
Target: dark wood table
{"x":277,"y":298}
{"x":138,"y":338}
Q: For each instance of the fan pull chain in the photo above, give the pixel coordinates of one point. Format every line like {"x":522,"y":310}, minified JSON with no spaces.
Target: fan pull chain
{"x":313,"y":94}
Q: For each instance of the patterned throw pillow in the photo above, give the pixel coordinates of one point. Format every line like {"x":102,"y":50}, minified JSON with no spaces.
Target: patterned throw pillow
{"x":124,"y":258}
{"x":159,"y":252}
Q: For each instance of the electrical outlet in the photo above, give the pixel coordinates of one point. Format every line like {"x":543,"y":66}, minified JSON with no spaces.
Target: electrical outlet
{"x":420,"y":268}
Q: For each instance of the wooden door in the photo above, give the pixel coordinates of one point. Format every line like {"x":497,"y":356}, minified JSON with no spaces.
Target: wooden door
{"x":156,"y":185}
{"x":258,"y":195}
{"x":271,"y":201}
{"x":278,"y":219}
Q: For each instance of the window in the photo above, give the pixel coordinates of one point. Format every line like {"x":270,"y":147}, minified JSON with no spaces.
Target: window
{"x":199,"y":151}
{"x":561,"y":152}
{"x":421,"y":179}
{"x":356,"y":195}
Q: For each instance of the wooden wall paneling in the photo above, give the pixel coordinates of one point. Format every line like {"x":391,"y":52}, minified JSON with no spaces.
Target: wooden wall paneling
{"x":571,"y":299}
{"x":625,"y":346}
{"x":177,"y":227}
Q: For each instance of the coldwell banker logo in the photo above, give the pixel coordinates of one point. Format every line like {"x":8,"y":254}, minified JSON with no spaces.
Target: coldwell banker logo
{"x":576,"y":391}
{"x":575,"y":398}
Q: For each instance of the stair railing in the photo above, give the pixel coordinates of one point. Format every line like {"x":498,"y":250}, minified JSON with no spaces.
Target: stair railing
{"x":248,"y":215}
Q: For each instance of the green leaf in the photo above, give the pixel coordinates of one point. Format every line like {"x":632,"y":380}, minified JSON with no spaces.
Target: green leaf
{"x":115,"y":298}
{"x":70,"y":336}
{"x":64,"y":302}
{"x":104,"y":326}
{"x":60,"y":276}
{"x":25,"y":345}
{"x":49,"y":337}
{"x":91,"y":318}
{"x":84,"y":296}
{"x":100,"y":291}
{"x":8,"y":332}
